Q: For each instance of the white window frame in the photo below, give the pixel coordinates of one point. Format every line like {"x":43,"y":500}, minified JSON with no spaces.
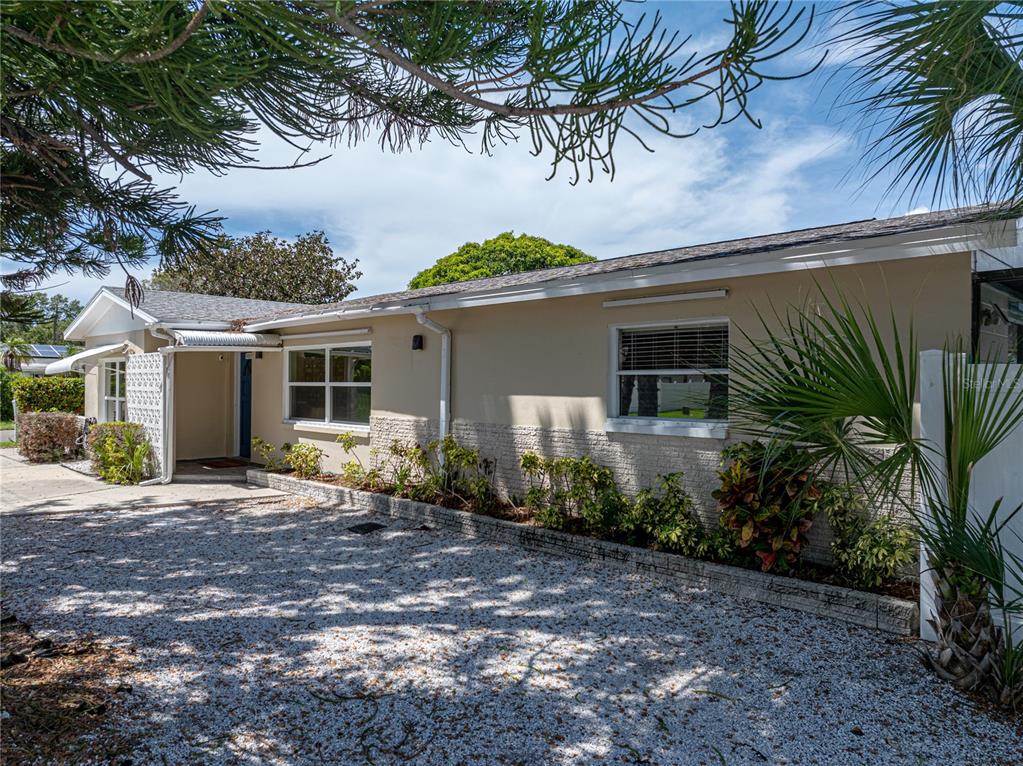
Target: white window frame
{"x":120,"y":398}
{"x":327,"y":425}
{"x":693,"y":427}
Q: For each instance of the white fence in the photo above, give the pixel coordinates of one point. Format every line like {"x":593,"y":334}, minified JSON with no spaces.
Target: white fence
{"x":998,"y":475}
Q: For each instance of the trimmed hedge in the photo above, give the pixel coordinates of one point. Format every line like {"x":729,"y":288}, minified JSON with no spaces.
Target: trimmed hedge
{"x":48,"y":437}
{"x":45,"y":394}
{"x":6,"y":395}
{"x":121,"y":452}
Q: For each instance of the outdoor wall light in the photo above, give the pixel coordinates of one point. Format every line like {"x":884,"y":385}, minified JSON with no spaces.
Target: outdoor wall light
{"x":417,"y":342}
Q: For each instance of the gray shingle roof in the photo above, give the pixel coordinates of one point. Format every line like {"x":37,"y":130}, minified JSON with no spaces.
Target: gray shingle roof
{"x":169,"y":306}
{"x":863,"y":229}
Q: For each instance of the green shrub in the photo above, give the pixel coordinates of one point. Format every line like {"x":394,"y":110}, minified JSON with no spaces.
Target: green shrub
{"x":766,"y":499}
{"x":716,"y":545}
{"x":121,"y":452}
{"x":267,"y":453}
{"x":463,"y":473}
{"x":867,"y":551}
{"x":354,"y":473}
{"x":6,"y":395}
{"x":49,"y":394}
{"x":407,"y":471}
{"x":304,"y":459}
{"x":665,"y":516}
{"x":566,"y":492}
{"x":46,"y":437}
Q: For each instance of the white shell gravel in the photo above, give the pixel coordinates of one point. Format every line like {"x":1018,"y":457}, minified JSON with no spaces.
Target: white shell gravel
{"x":267,"y":632}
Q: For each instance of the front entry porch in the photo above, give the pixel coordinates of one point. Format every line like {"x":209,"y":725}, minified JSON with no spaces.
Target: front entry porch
{"x":193,"y":396}
{"x":221,"y":469}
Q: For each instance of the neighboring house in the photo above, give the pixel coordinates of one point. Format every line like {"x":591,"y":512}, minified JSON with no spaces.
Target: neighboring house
{"x":624,"y":359}
{"x":40,"y":355}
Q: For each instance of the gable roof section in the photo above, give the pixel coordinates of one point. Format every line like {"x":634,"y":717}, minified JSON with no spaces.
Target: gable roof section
{"x":821,"y":235}
{"x":170,"y":307}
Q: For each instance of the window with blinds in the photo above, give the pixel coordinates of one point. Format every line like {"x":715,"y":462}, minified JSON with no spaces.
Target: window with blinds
{"x":674,"y":372}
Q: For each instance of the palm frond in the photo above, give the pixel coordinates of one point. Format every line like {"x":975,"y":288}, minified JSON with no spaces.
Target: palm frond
{"x":827,"y":381}
{"x":939,"y":90}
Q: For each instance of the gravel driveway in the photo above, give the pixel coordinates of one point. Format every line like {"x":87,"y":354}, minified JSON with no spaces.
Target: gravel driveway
{"x":269,"y":632}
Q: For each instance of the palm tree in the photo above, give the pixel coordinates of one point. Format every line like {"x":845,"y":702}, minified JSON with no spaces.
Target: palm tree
{"x":827,"y":381}
{"x":16,"y":350}
{"x":938,"y":86}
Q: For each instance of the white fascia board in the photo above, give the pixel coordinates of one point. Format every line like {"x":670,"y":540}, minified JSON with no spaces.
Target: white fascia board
{"x":333,"y":316}
{"x":921,"y":244}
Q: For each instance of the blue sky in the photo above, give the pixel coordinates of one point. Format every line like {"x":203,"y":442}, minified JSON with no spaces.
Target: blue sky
{"x":399,"y":213}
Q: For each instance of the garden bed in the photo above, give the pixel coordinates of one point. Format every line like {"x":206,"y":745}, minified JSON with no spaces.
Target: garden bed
{"x":886,"y":613}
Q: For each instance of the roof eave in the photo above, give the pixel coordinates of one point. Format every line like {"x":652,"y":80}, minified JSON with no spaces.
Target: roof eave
{"x":921,"y":243}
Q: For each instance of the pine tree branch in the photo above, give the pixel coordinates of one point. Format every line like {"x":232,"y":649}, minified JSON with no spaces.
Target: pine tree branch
{"x":137,"y":58}
{"x":508,"y":110}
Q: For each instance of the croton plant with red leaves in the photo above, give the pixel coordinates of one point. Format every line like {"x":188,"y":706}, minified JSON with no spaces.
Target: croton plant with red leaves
{"x":767,"y":498}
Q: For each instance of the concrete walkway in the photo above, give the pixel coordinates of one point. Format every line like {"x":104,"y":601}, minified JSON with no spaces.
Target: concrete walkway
{"x":49,"y":488}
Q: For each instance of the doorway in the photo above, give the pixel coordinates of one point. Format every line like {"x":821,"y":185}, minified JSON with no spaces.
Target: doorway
{"x":244,"y":406}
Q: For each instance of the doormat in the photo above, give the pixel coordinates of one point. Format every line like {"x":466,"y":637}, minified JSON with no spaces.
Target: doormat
{"x":366,"y":528}
{"x":223,"y":462}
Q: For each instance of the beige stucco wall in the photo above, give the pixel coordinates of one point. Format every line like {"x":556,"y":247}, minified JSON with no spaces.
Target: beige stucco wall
{"x":204,"y":404}
{"x":545,"y":363}
{"x":405,"y":382}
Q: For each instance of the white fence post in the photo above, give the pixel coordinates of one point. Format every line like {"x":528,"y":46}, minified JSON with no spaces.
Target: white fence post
{"x":997,"y":475}
{"x":932,"y":432}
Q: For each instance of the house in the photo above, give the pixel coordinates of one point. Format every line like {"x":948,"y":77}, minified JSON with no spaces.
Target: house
{"x":624,"y":359}
{"x":39,"y":356}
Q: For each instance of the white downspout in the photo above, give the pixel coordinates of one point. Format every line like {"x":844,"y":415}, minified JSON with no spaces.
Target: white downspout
{"x":445,"y":369}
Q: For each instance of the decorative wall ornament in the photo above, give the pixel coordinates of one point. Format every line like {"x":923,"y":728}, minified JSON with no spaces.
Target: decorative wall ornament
{"x":144,"y":383}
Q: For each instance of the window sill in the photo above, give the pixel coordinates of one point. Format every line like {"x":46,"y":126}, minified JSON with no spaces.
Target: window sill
{"x":317,"y":427}
{"x":699,"y":429}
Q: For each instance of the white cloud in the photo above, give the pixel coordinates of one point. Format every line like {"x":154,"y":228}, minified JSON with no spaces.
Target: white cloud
{"x":399,"y":213}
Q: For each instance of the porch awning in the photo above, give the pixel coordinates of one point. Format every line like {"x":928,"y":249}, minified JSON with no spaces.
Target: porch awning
{"x":82,"y":358}
{"x":208,"y":339}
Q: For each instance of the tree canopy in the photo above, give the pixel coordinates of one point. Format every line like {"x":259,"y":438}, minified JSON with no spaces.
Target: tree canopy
{"x":43,"y":319}
{"x":264,"y":267}
{"x":503,"y":254}
{"x":99,"y":97}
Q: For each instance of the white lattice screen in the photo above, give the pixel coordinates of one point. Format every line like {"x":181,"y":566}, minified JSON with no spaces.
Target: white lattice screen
{"x":144,"y":381}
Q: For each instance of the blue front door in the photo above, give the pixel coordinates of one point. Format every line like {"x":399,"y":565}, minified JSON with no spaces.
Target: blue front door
{"x":245,"y":408}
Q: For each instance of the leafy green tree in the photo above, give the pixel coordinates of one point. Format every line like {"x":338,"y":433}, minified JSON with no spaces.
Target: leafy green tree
{"x":938,"y":87}
{"x":265,"y":267}
{"x":503,"y":254}
{"x":44,"y":320}
{"x":99,"y":96}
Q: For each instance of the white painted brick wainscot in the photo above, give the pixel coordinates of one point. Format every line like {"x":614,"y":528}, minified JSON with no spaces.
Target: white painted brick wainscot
{"x":871,"y":610}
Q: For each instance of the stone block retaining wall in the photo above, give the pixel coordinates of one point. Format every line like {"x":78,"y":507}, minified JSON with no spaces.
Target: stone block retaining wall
{"x":867,"y":609}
